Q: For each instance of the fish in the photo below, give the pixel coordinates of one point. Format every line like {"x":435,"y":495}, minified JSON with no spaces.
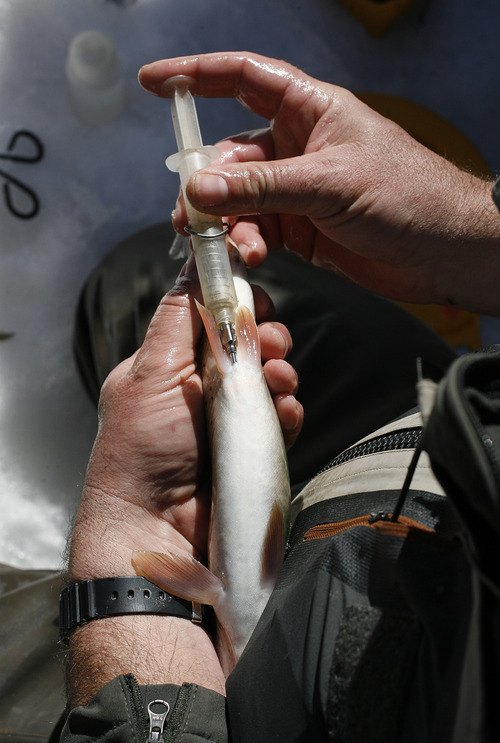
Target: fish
{"x":250,"y":488}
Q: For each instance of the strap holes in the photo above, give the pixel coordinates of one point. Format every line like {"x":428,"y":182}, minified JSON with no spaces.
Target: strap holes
{"x":130,"y":594}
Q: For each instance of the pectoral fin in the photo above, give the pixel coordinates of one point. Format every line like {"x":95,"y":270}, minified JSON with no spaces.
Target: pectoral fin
{"x":221,"y":359}
{"x":248,"y":335}
{"x":180,"y":575}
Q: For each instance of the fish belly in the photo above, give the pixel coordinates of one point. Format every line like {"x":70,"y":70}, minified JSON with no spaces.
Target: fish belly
{"x":250,"y":491}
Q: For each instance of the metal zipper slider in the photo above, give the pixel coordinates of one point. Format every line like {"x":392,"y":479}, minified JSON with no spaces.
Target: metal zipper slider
{"x":157,"y":721}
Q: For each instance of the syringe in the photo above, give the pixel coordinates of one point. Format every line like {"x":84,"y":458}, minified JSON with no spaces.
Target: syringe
{"x":207,"y":232}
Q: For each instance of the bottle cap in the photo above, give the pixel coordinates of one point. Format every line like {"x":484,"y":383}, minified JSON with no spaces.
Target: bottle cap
{"x":93,"y":60}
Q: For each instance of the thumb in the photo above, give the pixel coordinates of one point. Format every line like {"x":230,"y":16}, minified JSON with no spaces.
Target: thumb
{"x":280,"y":186}
{"x":170,"y":342}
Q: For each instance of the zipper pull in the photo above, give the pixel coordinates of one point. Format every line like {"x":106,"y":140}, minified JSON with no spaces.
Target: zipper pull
{"x":157,"y":721}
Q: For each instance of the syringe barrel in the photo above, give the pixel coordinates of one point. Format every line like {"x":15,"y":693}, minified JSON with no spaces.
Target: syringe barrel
{"x":212,"y":260}
{"x":216,"y":279}
{"x":189,"y":161}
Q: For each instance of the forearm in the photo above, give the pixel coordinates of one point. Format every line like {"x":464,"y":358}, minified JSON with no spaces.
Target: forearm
{"x":469,"y":272}
{"x":156,"y":649}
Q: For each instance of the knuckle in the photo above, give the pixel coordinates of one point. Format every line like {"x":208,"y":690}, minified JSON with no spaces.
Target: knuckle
{"x":113,"y":387}
{"x":257,"y":182}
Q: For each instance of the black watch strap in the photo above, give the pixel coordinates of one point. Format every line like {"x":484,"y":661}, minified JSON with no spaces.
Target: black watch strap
{"x":82,"y":602}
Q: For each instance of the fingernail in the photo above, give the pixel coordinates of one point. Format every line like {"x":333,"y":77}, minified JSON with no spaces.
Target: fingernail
{"x":298,"y":414}
{"x":147,"y":84}
{"x":211,"y":190}
{"x":280,"y":338}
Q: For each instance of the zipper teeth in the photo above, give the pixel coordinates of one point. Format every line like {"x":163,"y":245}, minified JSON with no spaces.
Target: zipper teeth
{"x":138,"y":713}
{"x":405,"y":438}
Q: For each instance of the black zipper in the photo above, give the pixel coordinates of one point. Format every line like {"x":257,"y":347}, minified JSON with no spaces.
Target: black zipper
{"x":141,"y":722}
{"x":405,"y":438}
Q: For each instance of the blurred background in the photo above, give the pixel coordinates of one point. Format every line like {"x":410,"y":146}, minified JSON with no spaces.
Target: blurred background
{"x":72,"y":190}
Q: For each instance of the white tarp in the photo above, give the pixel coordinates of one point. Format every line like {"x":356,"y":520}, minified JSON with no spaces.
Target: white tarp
{"x":97,"y":186}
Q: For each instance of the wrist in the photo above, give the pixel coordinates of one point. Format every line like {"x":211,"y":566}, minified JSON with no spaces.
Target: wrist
{"x":156,"y":649}
{"x":472,"y":244}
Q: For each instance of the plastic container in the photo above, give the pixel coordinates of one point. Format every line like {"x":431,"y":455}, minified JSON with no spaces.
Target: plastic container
{"x":95,"y":78}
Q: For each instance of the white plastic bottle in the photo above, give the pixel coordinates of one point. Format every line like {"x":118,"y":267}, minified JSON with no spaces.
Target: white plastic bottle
{"x":95,"y":78}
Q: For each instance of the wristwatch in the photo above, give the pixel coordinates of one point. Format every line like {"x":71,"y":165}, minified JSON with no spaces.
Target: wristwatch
{"x":87,"y":600}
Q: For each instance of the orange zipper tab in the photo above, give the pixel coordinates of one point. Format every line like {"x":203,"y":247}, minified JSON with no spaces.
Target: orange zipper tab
{"x":401,"y":527}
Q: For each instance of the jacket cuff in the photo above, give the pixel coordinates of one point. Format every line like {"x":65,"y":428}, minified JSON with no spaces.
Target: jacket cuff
{"x":118,"y":713}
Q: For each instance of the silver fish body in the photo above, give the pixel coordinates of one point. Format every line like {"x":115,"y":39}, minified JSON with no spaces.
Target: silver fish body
{"x":250,"y":487}
{"x":250,"y":490}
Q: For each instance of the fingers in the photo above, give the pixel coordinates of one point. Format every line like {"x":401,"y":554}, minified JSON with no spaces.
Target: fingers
{"x":283,"y":383}
{"x":247,"y":232}
{"x":281,"y":378}
{"x":256,"y":144}
{"x":291,"y":416}
{"x":254,"y":236}
{"x":247,"y":235}
{"x":275,"y":342}
{"x":257,"y":82}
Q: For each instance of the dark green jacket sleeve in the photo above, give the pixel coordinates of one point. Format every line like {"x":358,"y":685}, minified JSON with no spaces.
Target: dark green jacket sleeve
{"x":119,"y":713}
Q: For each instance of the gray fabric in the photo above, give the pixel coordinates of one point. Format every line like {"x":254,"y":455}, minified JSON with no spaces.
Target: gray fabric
{"x":369,"y":678}
{"x":363,"y":638}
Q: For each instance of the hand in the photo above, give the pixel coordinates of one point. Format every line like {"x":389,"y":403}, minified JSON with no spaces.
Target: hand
{"x":341,"y":185}
{"x":145,"y":486}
